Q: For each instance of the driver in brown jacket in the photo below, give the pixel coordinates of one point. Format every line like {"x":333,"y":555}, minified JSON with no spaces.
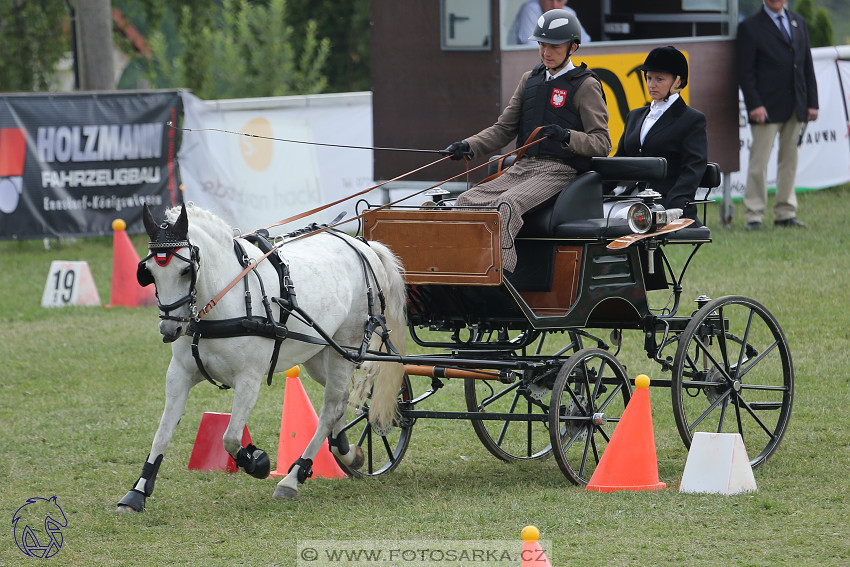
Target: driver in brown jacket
{"x":568,"y":102}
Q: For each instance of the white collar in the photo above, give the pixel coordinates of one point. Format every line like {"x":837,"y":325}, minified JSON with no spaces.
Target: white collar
{"x":656,"y":109}
{"x":567,"y":68}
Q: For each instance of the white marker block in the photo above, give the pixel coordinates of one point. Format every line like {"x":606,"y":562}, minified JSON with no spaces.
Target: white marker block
{"x":718,"y":464}
{"x":69,"y":283}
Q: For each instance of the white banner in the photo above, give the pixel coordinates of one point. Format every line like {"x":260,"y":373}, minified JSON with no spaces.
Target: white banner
{"x":252,"y":181}
{"x":824,"y":156}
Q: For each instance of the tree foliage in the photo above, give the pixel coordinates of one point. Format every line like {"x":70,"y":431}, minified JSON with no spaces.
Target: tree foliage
{"x":33,"y":39}
{"x":239,"y":49}
{"x":347,"y":25}
{"x":821,"y":33}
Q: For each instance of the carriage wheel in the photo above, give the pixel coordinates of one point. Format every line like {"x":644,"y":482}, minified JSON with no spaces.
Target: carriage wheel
{"x":733,"y":374}
{"x":588,"y":399}
{"x":519,"y":440}
{"x":381,"y":453}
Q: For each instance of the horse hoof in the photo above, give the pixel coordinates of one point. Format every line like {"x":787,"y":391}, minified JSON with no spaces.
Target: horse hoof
{"x":124,"y":509}
{"x":359,"y":459}
{"x":284,"y":493}
{"x":133,"y":501}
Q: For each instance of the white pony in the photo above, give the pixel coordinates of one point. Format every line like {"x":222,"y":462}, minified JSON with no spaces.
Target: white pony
{"x":339,"y":285}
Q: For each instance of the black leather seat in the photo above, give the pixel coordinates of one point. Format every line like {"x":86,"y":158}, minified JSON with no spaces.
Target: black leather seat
{"x":577,"y":211}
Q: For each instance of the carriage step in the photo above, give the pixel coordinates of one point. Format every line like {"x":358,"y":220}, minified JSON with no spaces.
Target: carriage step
{"x":765,"y":405}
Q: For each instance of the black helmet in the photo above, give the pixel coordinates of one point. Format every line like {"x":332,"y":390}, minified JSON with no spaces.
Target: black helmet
{"x":556,"y":27}
{"x":667,"y":59}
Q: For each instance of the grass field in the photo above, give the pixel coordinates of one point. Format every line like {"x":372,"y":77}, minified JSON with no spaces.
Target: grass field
{"x":82,"y":391}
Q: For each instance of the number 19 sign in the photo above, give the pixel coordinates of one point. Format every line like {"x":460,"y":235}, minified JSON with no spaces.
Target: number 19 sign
{"x":69,"y":283}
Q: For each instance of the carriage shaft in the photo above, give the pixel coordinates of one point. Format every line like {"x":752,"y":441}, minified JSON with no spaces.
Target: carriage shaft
{"x":444,"y":372}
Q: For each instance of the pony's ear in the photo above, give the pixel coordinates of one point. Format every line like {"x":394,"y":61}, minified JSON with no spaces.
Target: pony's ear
{"x":150,"y":224}
{"x":181,"y":225}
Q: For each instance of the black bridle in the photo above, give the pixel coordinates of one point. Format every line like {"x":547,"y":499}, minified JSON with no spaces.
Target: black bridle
{"x":162,"y":252}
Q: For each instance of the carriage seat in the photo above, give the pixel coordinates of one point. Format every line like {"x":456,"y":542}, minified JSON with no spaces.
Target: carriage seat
{"x":576,"y":212}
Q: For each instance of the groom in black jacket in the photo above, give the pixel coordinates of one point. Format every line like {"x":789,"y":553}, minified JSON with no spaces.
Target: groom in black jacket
{"x":777,"y":77}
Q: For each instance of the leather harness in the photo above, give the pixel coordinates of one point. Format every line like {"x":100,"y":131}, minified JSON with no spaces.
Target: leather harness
{"x":266,"y":325}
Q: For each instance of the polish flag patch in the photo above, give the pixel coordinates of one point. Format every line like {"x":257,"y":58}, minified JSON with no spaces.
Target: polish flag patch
{"x":559,"y":97}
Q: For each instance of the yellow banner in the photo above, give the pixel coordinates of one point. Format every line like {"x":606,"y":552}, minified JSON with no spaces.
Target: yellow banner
{"x":623,"y":85}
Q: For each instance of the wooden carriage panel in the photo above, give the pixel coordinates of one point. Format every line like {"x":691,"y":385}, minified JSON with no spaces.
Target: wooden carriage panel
{"x":441,"y":247}
{"x":564,"y":286}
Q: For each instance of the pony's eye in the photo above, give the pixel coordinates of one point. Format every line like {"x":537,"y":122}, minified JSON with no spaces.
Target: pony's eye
{"x":186,"y":270}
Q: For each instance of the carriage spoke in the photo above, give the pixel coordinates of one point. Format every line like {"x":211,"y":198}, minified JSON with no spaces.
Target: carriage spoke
{"x":752,"y":362}
{"x":710,"y":408}
{"x":755,"y":416}
{"x":494,"y":398}
{"x":388,"y":449}
{"x":744,"y":343}
{"x":512,"y":409}
{"x":587,"y":447}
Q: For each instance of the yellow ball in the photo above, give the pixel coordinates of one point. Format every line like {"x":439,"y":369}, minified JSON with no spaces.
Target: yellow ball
{"x":293,"y":372}
{"x":530,"y":533}
{"x":642,"y":381}
{"x":119,"y":224}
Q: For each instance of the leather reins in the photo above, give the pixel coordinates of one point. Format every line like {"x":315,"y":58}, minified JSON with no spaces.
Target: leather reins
{"x":252,"y":265}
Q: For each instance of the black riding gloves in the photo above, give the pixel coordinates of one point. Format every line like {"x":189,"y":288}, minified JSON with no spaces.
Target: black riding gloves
{"x":458,"y":150}
{"x":556,"y":133}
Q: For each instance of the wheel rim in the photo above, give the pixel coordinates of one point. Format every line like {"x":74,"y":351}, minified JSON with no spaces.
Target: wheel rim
{"x":519,"y":440}
{"x":381,"y":453}
{"x":588,"y":399}
{"x":733,"y":374}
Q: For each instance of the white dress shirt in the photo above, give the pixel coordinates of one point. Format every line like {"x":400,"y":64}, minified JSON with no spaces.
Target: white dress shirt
{"x":656,"y":109}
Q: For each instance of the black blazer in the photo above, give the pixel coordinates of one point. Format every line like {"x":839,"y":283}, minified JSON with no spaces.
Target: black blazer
{"x":679,"y":136}
{"x":773,"y":73}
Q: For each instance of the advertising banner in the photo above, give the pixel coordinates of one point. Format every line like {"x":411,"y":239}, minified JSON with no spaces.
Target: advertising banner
{"x":257,"y":161}
{"x":72,"y":163}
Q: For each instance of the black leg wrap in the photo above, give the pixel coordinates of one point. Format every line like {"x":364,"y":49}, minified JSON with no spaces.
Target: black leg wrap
{"x":149,"y":472}
{"x":253,"y":461}
{"x":340,"y":443}
{"x":135,"y":499}
{"x":305,"y":469}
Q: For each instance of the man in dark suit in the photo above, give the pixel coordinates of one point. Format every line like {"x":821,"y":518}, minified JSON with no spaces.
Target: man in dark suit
{"x":777,"y":77}
{"x":668,"y":128}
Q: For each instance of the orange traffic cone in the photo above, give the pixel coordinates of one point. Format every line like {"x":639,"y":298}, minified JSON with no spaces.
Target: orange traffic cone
{"x":532,"y":553}
{"x":126,"y":291}
{"x":208,"y":453}
{"x":629,"y":462}
{"x":298,"y":423}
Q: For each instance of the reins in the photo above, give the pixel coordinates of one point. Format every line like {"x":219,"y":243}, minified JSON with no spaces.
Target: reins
{"x":212,"y":303}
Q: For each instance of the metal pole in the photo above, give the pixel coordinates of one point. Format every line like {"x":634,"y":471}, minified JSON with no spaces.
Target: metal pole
{"x":727,"y":211}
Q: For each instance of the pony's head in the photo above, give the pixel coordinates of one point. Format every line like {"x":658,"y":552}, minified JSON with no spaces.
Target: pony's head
{"x":172,"y":266}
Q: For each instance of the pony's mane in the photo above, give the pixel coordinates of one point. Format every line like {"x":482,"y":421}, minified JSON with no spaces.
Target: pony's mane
{"x":202,"y":219}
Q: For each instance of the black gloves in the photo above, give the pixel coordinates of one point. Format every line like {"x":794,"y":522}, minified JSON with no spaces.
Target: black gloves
{"x":556,"y":133}
{"x":458,"y":150}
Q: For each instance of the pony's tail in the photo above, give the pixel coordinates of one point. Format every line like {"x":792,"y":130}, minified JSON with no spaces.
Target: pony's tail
{"x":383,"y":408}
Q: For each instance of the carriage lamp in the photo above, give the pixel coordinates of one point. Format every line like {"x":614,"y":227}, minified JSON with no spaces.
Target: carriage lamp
{"x":648,"y":214}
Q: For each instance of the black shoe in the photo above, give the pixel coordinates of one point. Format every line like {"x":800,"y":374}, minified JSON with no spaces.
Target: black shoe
{"x":792,"y":222}
{"x":755,"y":225}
